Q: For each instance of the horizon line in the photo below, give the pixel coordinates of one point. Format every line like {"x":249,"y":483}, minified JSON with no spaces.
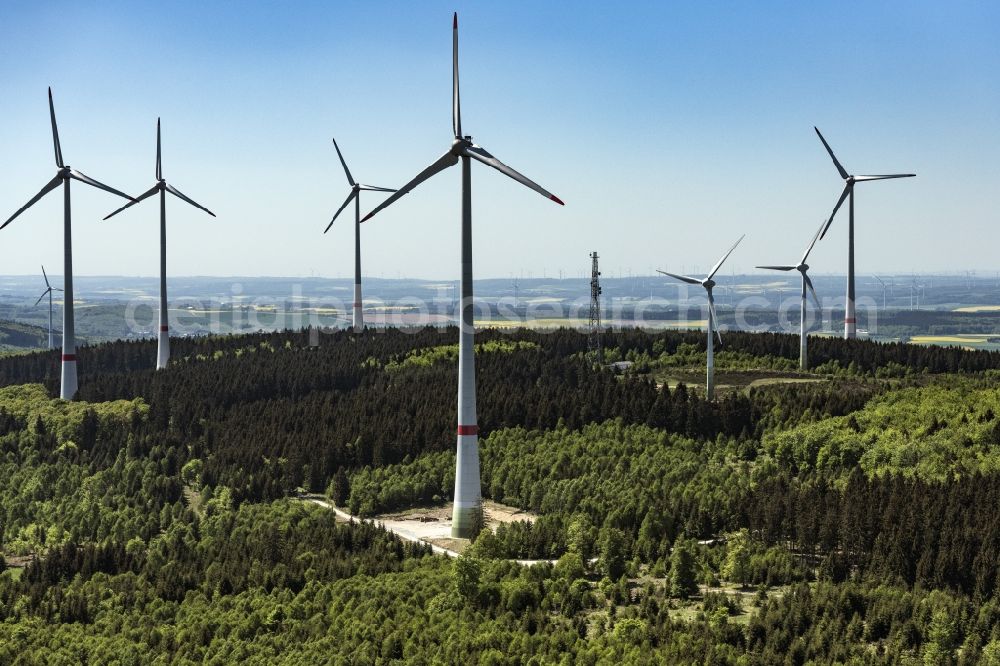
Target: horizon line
{"x":975,"y":273}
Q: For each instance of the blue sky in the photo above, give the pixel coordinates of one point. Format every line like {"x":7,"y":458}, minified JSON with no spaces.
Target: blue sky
{"x":668,"y":128}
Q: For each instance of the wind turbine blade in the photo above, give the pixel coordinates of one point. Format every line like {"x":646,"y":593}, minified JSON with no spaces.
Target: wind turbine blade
{"x":52,"y":184}
{"x":812,"y":290}
{"x":836,"y":163}
{"x":682,"y":278}
{"x":717,"y":266}
{"x":56,"y":289}
{"x":44,"y":294}
{"x":372,"y":188}
{"x":885,"y":176}
{"x":44,"y":275}
{"x":145,"y":195}
{"x":480,"y":154}
{"x":879,"y":280}
{"x":73,"y":173}
{"x":816,"y":236}
{"x":346,"y":170}
{"x":177,"y":193}
{"x":714,"y":320}
{"x":55,"y":132}
{"x":350,"y":196}
{"x":840,"y":202}
{"x":777,"y":268}
{"x":159,"y":170}
{"x":456,"y":102}
{"x":442,"y":163}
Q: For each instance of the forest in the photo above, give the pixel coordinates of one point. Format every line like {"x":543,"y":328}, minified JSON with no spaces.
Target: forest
{"x":839,"y":515}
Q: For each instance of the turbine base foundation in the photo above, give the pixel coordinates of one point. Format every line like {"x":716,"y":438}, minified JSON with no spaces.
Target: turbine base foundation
{"x":359,"y":318}
{"x":850,"y":326}
{"x":163,"y":350}
{"x":466,"y":522}
{"x":467,"y":514}
{"x":67,"y":390}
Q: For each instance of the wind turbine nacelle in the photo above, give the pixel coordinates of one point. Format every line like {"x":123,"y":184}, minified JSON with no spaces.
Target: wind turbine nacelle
{"x":708,"y":284}
{"x":458,"y":145}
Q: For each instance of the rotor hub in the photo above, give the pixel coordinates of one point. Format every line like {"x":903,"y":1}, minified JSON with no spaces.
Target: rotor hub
{"x":460,"y":144}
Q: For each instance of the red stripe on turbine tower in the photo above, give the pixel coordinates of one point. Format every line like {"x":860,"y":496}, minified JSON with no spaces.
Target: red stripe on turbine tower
{"x":468,"y":430}
{"x":68,"y":357}
{"x":164,"y":328}
{"x":852,"y":320}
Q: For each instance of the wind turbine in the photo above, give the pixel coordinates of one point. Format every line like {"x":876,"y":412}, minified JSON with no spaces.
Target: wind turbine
{"x":48,"y":292}
{"x":916,"y":287}
{"x":64,"y":175}
{"x":468,"y":503}
{"x":356,"y":188}
{"x":850,"y":320}
{"x":708,"y":283}
{"x":803,"y":267}
{"x":883,"y":290}
{"x":162,"y":186}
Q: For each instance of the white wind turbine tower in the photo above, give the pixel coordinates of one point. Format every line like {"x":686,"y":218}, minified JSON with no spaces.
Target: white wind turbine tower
{"x":48,"y":292}
{"x":65,"y":174}
{"x":708,"y":283}
{"x":803,"y":267}
{"x":356,"y":188}
{"x":162,"y":186}
{"x":850,"y":320}
{"x":468,"y":503}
